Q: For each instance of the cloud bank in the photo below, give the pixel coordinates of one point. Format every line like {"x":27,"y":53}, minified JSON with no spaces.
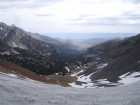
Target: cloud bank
{"x":72,"y":15}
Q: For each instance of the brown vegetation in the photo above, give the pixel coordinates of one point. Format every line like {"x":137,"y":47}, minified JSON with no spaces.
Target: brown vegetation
{"x":8,"y":67}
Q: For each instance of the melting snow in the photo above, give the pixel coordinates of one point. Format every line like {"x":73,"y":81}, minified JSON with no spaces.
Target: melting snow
{"x":85,"y":81}
{"x":11,"y":75}
{"x":21,"y":47}
{"x":75,"y":74}
{"x":101,"y":66}
{"x":130,"y":78}
{"x":14,"y":91}
{"x":5,"y":53}
{"x":82,"y":78}
{"x":14,"y":45}
{"x":67,"y":69}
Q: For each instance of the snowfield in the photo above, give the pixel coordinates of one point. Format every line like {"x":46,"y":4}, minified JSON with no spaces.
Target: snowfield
{"x":15,"y":91}
{"x":84,"y":81}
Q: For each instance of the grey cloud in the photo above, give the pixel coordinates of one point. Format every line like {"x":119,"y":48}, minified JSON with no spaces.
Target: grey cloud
{"x":132,"y":1}
{"x":40,"y":3}
{"x":5,"y":4}
{"x":120,"y":20}
{"x":12,"y":0}
{"x":135,"y":1}
{"x":131,"y":15}
{"x":43,"y":1}
{"x":43,"y":15}
{"x":101,"y":1}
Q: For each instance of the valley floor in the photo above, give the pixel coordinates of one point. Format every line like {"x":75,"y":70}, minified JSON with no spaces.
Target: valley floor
{"x":16,"y":91}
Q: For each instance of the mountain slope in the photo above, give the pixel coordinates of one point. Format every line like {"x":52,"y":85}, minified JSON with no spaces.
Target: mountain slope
{"x":22,"y":73}
{"x":117,"y":58}
{"x":62,"y":46}
{"x":17,"y":37}
{"x":94,"y":53}
{"x":38,"y":44}
{"x":15,"y":91}
{"x":5,"y":48}
{"x":9,"y":68}
{"x":121,"y":58}
{"x":21,"y":49}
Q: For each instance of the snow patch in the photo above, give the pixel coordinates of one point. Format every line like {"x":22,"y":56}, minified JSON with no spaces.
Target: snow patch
{"x":75,"y":74}
{"x":129,"y":77}
{"x":1,"y":28}
{"x":139,"y":62}
{"x":5,"y":53}
{"x":11,"y":75}
{"x":21,"y":47}
{"x":101,"y":66}
{"x":15,"y":52}
{"x":87,"y":85}
{"x":84,"y":81}
{"x":67,"y":69}
{"x":14,"y":45}
{"x":94,"y":84}
{"x":16,"y":76}
{"x":84,"y":78}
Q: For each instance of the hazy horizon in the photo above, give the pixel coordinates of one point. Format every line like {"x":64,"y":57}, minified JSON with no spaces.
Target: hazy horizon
{"x":88,"y":35}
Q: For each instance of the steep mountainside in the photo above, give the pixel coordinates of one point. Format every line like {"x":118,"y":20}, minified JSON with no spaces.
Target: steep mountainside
{"x":62,"y":46}
{"x":94,"y":53}
{"x":17,"y":37}
{"x":120,"y":58}
{"x":23,"y":50}
{"x":5,"y":48}
{"x":66,"y":51}
{"x":38,"y":44}
{"x":113,"y":59}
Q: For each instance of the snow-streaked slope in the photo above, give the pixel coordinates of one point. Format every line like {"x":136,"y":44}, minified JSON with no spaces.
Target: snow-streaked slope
{"x":84,"y":81}
{"x":130,"y":77}
{"x":15,"y":91}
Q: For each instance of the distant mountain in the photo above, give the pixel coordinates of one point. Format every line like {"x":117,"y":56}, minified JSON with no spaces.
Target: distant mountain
{"x":95,"y":41}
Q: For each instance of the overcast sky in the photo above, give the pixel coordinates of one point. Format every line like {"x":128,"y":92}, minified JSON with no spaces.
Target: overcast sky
{"x":72,"y":16}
